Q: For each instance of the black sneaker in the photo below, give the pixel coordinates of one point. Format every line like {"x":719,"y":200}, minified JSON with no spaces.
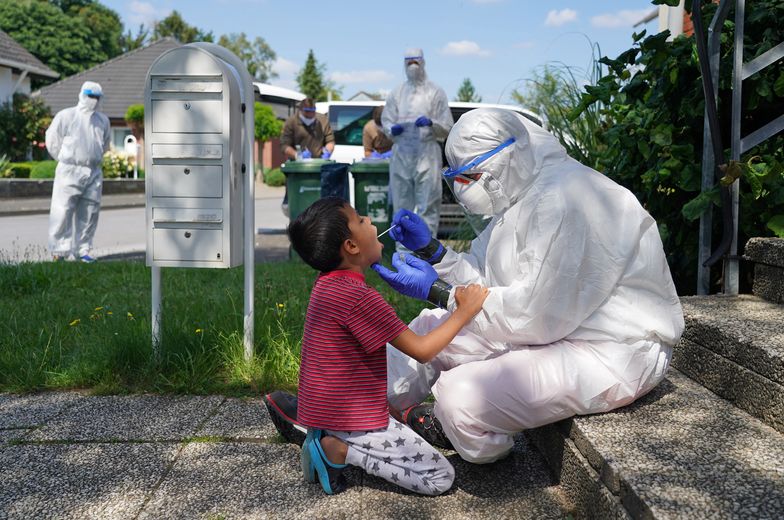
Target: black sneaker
{"x":423,"y":421}
{"x":282,"y":408}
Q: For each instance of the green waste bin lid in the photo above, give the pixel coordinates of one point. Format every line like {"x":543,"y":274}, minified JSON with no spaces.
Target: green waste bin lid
{"x":306,"y":166}
{"x":370,"y":167}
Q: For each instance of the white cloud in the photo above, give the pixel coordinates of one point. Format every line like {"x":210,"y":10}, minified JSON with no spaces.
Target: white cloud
{"x":285,"y":67}
{"x":464,"y":48}
{"x":558,"y":18}
{"x":146,"y":13}
{"x":361,"y":76}
{"x":620,"y":19}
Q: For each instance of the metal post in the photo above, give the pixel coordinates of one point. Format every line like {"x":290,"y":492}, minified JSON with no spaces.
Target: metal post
{"x":731,"y":266}
{"x":155,"y":316}
{"x":708,"y":162}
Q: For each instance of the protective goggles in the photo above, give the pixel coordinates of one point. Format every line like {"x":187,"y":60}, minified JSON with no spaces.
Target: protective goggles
{"x":464,"y":172}
{"x":91,"y":94}
{"x":412,"y":59}
{"x":309,"y":109}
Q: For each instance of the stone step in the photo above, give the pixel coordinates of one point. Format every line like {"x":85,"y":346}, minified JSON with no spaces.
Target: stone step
{"x":768,"y":257}
{"x":679,"y":452}
{"x":734,"y":346}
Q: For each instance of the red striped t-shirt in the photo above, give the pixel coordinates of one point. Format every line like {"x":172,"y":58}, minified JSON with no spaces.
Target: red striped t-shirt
{"x":343,"y":374}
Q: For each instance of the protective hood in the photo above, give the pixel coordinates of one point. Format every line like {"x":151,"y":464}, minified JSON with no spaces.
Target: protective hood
{"x":516,"y":167}
{"x":87,"y":104}
{"x":415,"y":72}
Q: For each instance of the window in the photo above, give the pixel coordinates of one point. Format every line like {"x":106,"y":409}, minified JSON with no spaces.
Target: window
{"x":118,"y":138}
{"x":347,"y":123}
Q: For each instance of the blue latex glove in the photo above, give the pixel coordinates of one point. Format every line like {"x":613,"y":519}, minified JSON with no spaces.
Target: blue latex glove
{"x":375,"y":155}
{"x":413,"y":278}
{"x":397,"y":129}
{"x":410,"y":230}
{"x":325,"y":154}
{"x":306,"y":154}
{"x":386,"y":155}
{"x":423,"y":121}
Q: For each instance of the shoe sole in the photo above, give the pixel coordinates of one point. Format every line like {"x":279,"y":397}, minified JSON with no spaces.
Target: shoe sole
{"x":285,"y":425}
{"x":319,"y":463}
{"x":306,"y":461}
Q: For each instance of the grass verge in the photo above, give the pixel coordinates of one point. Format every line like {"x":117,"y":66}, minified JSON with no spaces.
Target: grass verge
{"x":72,"y":325}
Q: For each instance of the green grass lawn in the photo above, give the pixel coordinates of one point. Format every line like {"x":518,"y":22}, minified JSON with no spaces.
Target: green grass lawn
{"x":72,"y":325}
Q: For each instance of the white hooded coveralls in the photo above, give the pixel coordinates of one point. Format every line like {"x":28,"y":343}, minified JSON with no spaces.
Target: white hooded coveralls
{"x":415,"y":167}
{"x":77,"y":140}
{"x":582,"y":312}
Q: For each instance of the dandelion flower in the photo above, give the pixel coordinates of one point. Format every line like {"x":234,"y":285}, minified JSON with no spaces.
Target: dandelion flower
{"x":109,"y":313}
{"x":280,"y":306}
{"x":199,"y":331}
{"x":75,"y":322}
{"x":98,"y":309}
{"x":130,"y":316}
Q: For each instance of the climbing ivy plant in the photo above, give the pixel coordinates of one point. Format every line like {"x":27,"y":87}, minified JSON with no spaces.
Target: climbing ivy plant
{"x":652,"y":105}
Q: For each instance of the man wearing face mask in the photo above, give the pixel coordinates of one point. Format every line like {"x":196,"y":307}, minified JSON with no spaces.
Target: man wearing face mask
{"x":417,"y":117}
{"x":582,"y":313}
{"x":310,"y":131}
{"x":77,"y":139}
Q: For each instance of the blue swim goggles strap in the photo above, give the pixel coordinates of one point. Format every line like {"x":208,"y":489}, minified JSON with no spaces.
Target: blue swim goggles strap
{"x":449,"y":172}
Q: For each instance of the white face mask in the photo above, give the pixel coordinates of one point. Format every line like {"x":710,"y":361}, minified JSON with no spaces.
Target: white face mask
{"x":482,"y":197}
{"x":414,"y":72}
{"x":90,"y":104}
{"x":307,"y":120}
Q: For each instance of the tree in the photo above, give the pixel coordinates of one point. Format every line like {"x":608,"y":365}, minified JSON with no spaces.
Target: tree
{"x":103,"y":23}
{"x":467,"y":93}
{"x":258,"y":56}
{"x":23,"y":124}
{"x":267,"y":125}
{"x":174,"y":26}
{"x":66,"y":44}
{"x":312,"y":83}
{"x":129,"y":42}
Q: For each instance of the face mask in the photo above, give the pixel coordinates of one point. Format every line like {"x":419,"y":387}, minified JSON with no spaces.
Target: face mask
{"x":90,"y":104}
{"x":307,"y":120}
{"x":484,"y":196}
{"x":414,"y":72}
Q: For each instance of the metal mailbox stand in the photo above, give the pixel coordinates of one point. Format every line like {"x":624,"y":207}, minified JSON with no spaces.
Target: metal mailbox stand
{"x":199,"y":167}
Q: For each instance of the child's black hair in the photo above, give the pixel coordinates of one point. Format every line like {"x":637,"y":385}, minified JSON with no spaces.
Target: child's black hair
{"x":318,"y":233}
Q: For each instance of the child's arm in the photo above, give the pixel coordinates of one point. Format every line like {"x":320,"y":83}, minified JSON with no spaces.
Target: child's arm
{"x":424,"y":348}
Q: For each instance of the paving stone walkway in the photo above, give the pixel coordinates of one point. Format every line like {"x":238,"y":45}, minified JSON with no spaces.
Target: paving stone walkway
{"x":71,"y":455}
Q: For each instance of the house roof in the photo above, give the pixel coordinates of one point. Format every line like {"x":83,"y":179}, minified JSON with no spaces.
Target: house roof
{"x":365,"y":96}
{"x":14,"y":56}
{"x":122,"y":79}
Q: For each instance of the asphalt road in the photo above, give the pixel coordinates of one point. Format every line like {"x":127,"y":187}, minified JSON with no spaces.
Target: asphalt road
{"x":120,"y":231}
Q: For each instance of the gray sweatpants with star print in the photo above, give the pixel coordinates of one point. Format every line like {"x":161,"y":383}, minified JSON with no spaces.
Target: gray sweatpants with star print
{"x":400,"y":456}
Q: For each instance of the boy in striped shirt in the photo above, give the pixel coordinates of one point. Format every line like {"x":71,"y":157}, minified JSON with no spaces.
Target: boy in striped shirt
{"x":343,"y":372}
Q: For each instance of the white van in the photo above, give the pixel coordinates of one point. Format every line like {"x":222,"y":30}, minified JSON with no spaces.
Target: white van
{"x":347,"y":118}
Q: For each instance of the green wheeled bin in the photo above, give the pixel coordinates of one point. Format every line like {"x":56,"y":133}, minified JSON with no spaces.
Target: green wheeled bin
{"x":303,"y":185}
{"x":372,"y":196}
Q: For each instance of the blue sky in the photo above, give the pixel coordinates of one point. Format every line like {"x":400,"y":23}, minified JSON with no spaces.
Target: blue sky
{"x":498,"y":44}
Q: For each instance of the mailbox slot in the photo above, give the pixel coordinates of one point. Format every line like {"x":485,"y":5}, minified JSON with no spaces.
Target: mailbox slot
{"x":187,"y":244}
{"x":183,"y":180}
{"x":187,"y":116}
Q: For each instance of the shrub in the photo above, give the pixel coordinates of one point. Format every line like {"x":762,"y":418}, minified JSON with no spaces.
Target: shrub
{"x":5,"y":167}
{"x":116,"y":164}
{"x":274,"y":177}
{"x":23,"y":124}
{"x":43,"y":170}
{"x":21,"y":170}
{"x":135,"y":114}
{"x":651,"y":140}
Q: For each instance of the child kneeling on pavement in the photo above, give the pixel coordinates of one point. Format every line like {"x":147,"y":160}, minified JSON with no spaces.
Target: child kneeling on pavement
{"x":343,"y":372}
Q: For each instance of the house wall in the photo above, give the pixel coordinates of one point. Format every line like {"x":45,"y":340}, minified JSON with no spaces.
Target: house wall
{"x":7,"y":82}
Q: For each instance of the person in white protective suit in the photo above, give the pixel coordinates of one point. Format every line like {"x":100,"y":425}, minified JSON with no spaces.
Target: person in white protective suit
{"x":582,"y":313}
{"x":416,"y":116}
{"x":77,"y":139}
